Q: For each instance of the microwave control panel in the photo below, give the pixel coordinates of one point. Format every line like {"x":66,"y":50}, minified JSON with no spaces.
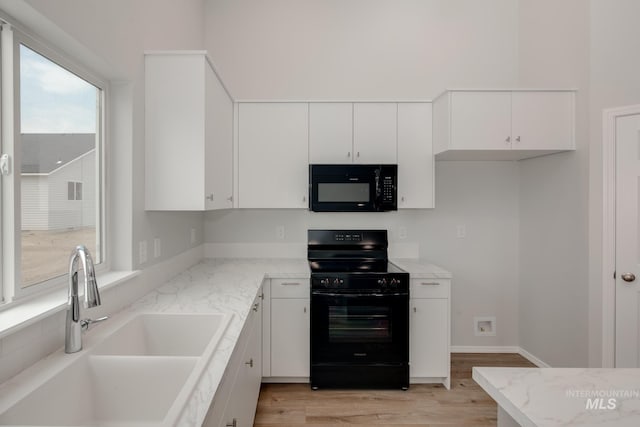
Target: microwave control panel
{"x":388,"y":189}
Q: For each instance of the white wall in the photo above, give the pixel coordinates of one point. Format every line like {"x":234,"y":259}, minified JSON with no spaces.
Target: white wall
{"x":406,"y":49}
{"x":614,"y":82}
{"x":361,"y":49}
{"x":554,"y":53}
{"x":116,"y":33}
{"x":481,"y":195}
{"x":34,"y":200}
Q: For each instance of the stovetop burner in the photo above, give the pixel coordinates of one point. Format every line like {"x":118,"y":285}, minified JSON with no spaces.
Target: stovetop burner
{"x":353,"y":266}
{"x":353,"y":260}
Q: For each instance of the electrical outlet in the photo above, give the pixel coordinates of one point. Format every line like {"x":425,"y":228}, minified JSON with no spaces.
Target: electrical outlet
{"x":280,"y":232}
{"x":142,"y":256}
{"x":157,"y":250}
{"x":402,"y":232}
{"x":193,"y":236}
{"x":461,"y":231}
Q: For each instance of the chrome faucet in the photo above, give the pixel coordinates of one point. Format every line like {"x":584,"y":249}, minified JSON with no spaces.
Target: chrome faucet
{"x":75,"y":326}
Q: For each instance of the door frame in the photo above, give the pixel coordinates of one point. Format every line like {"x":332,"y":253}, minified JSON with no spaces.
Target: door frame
{"x":608,"y":289}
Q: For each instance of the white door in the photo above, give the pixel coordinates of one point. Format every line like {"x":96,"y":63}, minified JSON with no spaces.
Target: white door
{"x":290,"y":355}
{"x":219,"y":144}
{"x":273,"y":150}
{"x":627,"y":242}
{"x":542,"y":120}
{"x":415,"y":156}
{"x":481,"y":120}
{"x":429,"y":342}
{"x":375,"y":132}
{"x":330,"y":132}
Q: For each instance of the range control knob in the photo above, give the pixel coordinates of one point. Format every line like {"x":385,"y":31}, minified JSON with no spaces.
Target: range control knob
{"x":382,"y":282}
{"x":337,"y":282}
{"x":394,"y":283}
{"x":324,"y":282}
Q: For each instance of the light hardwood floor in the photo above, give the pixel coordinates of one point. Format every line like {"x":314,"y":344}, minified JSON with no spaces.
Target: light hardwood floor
{"x":466,"y":404}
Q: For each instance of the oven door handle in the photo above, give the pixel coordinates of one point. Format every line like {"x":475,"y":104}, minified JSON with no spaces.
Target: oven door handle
{"x":333,"y":294}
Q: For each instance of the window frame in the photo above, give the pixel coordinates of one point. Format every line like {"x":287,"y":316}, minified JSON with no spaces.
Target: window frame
{"x":10,"y":282}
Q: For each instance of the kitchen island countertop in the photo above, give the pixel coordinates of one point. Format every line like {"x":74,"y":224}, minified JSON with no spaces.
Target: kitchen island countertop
{"x":550,"y":397}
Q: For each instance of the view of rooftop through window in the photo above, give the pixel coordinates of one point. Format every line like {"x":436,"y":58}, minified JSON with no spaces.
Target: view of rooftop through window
{"x":59,"y":119}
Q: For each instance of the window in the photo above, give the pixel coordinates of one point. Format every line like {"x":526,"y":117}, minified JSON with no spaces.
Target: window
{"x":57,"y":179}
{"x":74,"y":190}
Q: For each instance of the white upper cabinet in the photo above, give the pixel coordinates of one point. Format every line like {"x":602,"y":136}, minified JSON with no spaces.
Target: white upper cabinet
{"x":542,"y":120}
{"x":188,"y":134}
{"x":415,"y":156}
{"x":273,"y":155}
{"x":344,"y":132}
{"x":481,"y":120}
{"x":330,"y":133}
{"x":375,"y":132}
{"x":503,"y":125}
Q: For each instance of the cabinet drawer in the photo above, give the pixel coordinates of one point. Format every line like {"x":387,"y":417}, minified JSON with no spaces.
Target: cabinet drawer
{"x":430,"y":288}
{"x":290,"y":288}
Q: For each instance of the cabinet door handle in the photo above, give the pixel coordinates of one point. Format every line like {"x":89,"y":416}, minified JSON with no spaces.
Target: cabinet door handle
{"x":304,"y":309}
{"x":290,"y":283}
{"x":250,"y":363}
{"x":233,"y":423}
{"x":230,"y":198}
{"x":415,"y":310}
{"x":348,"y":153}
{"x":430,"y":283}
{"x":210,"y":197}
{"x":518,"y":138}
{"x":255,"y":306}
{"x":508,"y":140}
{"x":358,"y":154}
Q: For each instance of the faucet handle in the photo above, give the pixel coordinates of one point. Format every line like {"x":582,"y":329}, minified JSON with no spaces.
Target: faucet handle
{"x":85,"y":323}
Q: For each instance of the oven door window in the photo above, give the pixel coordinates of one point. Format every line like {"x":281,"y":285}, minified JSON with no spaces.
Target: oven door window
{"x":359,"y":329}
{"x":349,"y":324}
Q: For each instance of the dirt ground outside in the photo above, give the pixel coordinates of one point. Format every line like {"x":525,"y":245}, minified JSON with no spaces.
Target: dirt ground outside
{"x":45,"y":253}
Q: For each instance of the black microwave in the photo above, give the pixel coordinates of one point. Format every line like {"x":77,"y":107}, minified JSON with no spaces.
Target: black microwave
{"x":353,"y":188}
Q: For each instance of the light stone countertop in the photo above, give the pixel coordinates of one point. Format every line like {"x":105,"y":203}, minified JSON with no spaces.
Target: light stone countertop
{"x":553,"y":397}
{"x":212,"y":286}
{"x":217,"y":286}
{"x":421,"y":269}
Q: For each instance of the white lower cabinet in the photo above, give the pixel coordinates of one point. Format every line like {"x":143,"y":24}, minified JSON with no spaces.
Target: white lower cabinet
{"x":429,"y":331}
{"x":237,"y":395}
{"x":286,"y":341}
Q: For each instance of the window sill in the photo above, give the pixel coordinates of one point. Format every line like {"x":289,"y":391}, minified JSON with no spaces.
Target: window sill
{"x":19,"y":314}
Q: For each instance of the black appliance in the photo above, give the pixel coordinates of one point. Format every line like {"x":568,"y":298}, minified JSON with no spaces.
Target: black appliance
{"x":359,"y":311}
{"x":353,"y":188}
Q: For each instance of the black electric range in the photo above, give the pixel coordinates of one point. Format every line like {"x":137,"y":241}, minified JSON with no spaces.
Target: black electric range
{"x":359,"y":311}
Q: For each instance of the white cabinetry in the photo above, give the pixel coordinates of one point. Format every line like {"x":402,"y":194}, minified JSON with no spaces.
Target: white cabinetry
{"x":375,"y":132}
{"x":188,"y":134}
{"x":286,"y":347}
{"x":503,"y":125}
{"x":237,"y":395}
{"x":330,"y":132}
{"x":344,"y":132}
{"x":429,"y":331}
{"x":273,"y":151}
{"x":415,"y":156}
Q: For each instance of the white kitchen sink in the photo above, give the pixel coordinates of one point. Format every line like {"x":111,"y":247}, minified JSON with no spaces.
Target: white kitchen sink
{"x":105,"y":391}
{"x":165,"y":335}
{"x":142,"y":374}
